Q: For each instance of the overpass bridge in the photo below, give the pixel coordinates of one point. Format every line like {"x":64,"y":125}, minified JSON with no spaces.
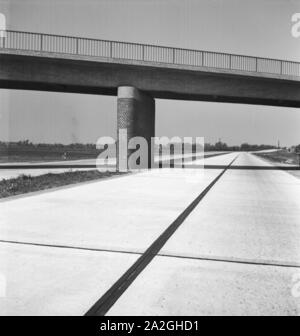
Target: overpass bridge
{"x":139,"y":73}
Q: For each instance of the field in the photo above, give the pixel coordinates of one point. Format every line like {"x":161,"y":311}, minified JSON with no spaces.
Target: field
{"x":24,"y":151}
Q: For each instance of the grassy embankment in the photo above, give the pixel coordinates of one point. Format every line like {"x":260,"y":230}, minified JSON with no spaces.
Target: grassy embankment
{"x":26,"y":183}
{"x":281,"y":156}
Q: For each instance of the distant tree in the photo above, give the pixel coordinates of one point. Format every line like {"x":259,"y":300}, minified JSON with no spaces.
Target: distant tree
{"x":221,"y":145}
{"x":245,"y":147}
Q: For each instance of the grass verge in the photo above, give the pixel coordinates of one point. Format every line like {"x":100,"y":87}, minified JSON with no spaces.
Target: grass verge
{"x":281,"y":156}
{"x":26,"y":183}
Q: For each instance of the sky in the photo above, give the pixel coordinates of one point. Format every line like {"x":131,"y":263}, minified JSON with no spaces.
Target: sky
{"x":251,"y":27}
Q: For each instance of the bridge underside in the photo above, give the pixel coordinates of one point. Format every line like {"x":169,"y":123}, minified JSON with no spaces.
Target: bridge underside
{"x":136,"y":86}
{"x":94,"y":77}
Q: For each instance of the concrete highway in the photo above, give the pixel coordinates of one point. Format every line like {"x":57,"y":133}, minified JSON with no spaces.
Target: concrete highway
{"x":34,"y":169}
{"x":235,"y":250}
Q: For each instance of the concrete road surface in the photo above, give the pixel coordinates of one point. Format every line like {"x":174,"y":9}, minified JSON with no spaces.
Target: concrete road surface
{"x":237,"y":252}
{"x":34,"y":170}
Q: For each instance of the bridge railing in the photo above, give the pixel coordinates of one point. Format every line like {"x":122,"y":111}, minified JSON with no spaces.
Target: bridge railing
{"x":142,"y":52}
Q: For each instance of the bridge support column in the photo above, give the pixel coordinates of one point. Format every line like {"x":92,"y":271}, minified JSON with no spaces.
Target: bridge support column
{"x":136,"y":115}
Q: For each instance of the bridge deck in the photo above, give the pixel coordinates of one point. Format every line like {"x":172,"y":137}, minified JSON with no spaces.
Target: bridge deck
{"x":39,"y":44}
{"x":30,"y":61}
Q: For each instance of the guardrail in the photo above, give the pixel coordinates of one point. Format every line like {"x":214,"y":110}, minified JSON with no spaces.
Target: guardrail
{"x":11,"y":39}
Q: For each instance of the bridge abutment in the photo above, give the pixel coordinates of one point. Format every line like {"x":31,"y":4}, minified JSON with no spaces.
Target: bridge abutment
{"x":136,"y":116}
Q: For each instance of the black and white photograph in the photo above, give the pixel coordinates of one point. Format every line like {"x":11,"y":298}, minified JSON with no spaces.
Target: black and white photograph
{"x":149,"y":161}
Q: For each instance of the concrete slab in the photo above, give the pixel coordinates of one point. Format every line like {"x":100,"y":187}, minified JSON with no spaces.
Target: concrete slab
{"x":56,"y":281}
{"x":176,"y":287}
{"x":247,"y":159}
{"x":127,"y":213}
{"x":248,"y":214}
{"x":220,"y":160}
{"x":15,"y":172}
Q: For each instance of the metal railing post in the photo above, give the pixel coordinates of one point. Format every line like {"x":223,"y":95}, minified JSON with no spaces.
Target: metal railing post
{"x":41,"y":42}
{"x":4,"y":37}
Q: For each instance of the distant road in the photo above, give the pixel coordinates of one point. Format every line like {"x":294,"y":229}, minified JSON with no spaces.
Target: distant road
{"x":15,"y":171}
{"x":266,"y":151}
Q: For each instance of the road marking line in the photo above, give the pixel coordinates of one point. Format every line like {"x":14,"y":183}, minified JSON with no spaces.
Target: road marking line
{"x":103,"y":305}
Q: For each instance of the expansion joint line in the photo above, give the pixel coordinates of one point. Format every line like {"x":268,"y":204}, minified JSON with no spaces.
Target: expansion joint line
{"x":103,"y":305}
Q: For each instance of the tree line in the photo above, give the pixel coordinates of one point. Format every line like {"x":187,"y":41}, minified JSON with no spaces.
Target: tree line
{"x":91,"y":147}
